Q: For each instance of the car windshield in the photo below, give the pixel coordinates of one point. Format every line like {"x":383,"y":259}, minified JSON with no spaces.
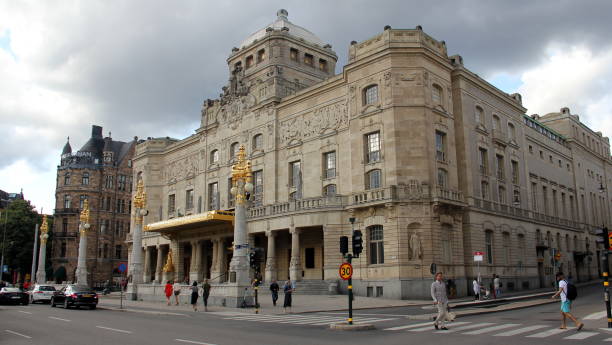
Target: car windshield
{"x":11,"y":289}
{"x":46,"y":288}
{"x":81,"y":289}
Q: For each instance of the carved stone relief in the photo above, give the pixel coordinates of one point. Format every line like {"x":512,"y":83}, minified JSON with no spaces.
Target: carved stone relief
{"x":186,"y":167}
{"x":322,"y":119}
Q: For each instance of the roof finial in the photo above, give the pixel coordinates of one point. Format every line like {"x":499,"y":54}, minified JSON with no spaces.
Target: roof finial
{"x":282,"y":14}
{"x":68,"y":139}
{"x":110,"y":134}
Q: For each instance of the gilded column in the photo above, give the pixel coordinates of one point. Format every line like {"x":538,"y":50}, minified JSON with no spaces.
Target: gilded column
{"x":159,"y":264}
{"x":270,"y":272}
{"x":135,"y":270}
{"x":41,"y":274}
{"x":295,"y":265}
{"x":81,"y":271}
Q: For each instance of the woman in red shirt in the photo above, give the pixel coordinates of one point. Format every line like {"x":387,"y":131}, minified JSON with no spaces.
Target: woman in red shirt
{"x":168,"y":290}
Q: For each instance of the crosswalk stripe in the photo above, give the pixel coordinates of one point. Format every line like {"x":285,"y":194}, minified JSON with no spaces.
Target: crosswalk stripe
{"x":463,"y":328}
{"x":581,"y":335}
{"x":356,"y":322}
{"x":609,"y":339}
{"x":548,"y":333}
{"x":493,"y":328}
{"x":520,"y":331}
{"x":595,"y":316}
{"x":313,"y":321}
{"x":430,"y":327}
{"x":407,"y":326}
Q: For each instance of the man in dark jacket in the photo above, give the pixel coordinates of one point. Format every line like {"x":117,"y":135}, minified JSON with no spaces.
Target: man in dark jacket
{"x":274,"y":288}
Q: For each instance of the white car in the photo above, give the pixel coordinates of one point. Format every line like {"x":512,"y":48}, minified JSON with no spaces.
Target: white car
{"x":41,"y":293}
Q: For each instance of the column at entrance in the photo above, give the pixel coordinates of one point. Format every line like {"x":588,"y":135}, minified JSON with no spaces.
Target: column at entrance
{"x":270,"y":271}
{"x":216,"y":262}
{"x":159,"y":264}
{"x":195,"y":273}
{"x":178,"y":258}
{"x":146,"y":278}
{"x":295,"y":265}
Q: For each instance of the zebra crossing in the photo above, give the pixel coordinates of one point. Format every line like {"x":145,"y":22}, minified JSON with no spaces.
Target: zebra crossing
{"x":505,"y":330}
{"x":302,"y":319}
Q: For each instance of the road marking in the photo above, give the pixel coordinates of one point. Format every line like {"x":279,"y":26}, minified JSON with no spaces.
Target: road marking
{"x":360,"y":314}
{"x":114,"y":329}
{"x":430,"y":327}
{"x":463,"y":328}
{"x":493,"y":328}
{"x":58,"y":318}
{"x":548,"y":333}
{"x":25,"y":312}
{"x":595,"y":316}
{"x":407,"y":326}
{"x":581,"y":335}
{"x":193,"y":342}
{"x":356,"y":322}
{"x":521,"y":331}
{"x":19,"y":334}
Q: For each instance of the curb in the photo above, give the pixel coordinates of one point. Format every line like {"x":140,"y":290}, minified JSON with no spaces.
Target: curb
{"x":151,"y":312}
{"x":347,"y":327}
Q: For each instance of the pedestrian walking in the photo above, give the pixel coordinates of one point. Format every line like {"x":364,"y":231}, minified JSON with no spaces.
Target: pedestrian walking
{"x":497,"y":284}
{"x":177,"y":291}
{"x":438,"y":293}
{"x":476,"y":288}
{"x":274,"y":288}
{"x":168,"y":291}
{"x":195,"y":293}
{"x":205,"y":293}
{"x":566,"y":303}
{"x":288,"y":290}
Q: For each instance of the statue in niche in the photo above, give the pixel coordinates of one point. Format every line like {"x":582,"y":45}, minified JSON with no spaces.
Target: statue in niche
{"x":414,"y":243}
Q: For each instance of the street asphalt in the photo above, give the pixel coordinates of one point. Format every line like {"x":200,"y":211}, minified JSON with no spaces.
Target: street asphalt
{"x":41,"y":324}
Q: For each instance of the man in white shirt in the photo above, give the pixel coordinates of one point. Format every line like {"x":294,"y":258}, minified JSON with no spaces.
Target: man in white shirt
{"x":566,"y":304}
{"x":497,"y":285}
{"x":438,"y":294}
{"x":476,"y":288}
{"x":177,"y":291}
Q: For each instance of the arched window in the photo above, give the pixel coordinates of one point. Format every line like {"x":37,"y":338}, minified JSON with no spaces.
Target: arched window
{"x":496,"y":122}
{"x":376,"y":245}
{"x":234,"y":150}
{"x":370,"y":94}
{"x":214,"y":156}
{"x":329,"y":190}
{"x":442,"y":178}
{"x":479,"y":115}
{"x":258,"y":142}
{"x":373,"y":179}
{"x":436,"y":94}
{"x":85,"y":179}
{"x":67,"y":178}
{"x":489,"y":246}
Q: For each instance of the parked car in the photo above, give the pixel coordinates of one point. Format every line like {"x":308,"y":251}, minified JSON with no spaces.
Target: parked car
{"x":41,"y":293}
{"x":13,"y":295}
{"x":75,"y":295}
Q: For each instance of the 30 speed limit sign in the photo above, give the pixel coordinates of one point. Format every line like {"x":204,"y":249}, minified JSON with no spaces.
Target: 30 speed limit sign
{"x":346,"y":271}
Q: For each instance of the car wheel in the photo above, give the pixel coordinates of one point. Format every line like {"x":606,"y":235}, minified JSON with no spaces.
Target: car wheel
{"x":52,"y":303}
{"x":66,"y":304}
{"x":92,"y":307}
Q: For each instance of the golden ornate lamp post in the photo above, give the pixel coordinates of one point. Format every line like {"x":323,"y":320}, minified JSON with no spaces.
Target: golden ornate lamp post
{"x":41,"y":274}
{"x":81,"y":271}
{"x":135,"y":268}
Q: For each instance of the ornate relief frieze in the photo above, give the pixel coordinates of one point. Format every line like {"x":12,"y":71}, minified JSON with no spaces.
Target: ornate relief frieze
{"x":321,"y":120}
{"x":181,"y":169}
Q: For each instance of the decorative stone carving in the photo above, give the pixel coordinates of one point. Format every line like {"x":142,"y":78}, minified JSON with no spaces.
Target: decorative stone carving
{"x":184,"y":168}
{"x":325,"y":118}
{"x":414,"y":243}
{"x":414,"y":190}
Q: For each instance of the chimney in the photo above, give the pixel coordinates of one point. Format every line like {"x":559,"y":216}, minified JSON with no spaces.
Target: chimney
{"x":96,"y":131}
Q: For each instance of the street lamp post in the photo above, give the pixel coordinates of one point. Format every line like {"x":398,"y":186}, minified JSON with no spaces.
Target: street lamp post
{"x":41,"y":275}
{"x":4,"y":238}
{"x":81,"y":271}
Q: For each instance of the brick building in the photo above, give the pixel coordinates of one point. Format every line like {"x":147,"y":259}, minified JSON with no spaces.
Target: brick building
{"x":101,"y":172}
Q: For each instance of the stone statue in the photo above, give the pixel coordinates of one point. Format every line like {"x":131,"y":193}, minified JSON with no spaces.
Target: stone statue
{"x":415,"y":247}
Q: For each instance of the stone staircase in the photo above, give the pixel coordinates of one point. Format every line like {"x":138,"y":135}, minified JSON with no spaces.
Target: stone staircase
{"x":306,"y":287}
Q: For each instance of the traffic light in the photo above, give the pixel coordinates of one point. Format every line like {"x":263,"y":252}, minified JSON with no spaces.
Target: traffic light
{"x":357,"y":243}
{"x":603,"y":237}
{"x":252,"y":259}
{"x":344,"y":245}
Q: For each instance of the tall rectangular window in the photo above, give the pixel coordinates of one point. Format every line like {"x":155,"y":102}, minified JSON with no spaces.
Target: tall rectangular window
{"x":295,"y":174}
{"x":64,"y":224}
{"x":500,"y":167}
{"x":67,"y":201}
{"x":376,"y":245}
{"x":534,"y":195}
{"x":85,"y":179}
{"x":213,"y":196}
{"x":189,"y":199}
{"x":440,"y":146}
{"x":501,"y":193}
{"x":171,"y":204}
{"x":515,"y":172}
{"x":82,"y":199}
{"x":544,"y":200}
{"x":258,"y":188}
{"x":483,"y":161}
{"x":329,"y":162}
{"x":489,"y":246}
{"x":121,"y":182}
{"x":293,"y":54}
{"x":484,"y":190}
{"x":231,"y":198}
{"x":373,"y":179}
{"x":373,"y":147}
{"x":67,"y":178}
{"x":308,"y":59}
{"x":323,"y":65}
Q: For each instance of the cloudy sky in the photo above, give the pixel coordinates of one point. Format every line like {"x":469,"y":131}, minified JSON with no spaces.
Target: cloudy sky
{"x":143,"y":68}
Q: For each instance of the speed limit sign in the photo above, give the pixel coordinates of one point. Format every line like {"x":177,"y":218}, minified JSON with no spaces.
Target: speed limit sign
{"x":346,"y":271}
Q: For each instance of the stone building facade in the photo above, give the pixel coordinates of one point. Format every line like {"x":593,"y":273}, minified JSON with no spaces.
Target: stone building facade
{"x":101,"y":172}
{"x":433,"y":162}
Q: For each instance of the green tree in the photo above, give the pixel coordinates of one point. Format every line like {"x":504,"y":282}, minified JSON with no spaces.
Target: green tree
{"x":20,"y":220}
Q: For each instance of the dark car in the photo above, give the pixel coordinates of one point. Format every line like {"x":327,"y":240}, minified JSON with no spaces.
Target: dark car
{"x":12,"y":295}
{"x":75,"y":295}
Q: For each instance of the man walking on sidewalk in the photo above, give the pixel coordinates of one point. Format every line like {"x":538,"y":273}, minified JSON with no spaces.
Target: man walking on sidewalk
{"x":566,"y":303}
{"x":274,"y":288}
{"x":497,"y":284}
{"x":438,"y":293}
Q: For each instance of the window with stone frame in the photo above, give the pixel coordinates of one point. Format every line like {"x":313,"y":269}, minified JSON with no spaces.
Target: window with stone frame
{"x":308,"y":59}
{"x":496,"y":123}
{"x":122,"y":182}
{"x":484,"y":190}
{"x":372,"y":147}
{"x":261,"y":55}
{"x":171,"y":204}
{"x":479,"y":115}
{"x":436,"y":94}
{"x":258,"y":142}
{"x":213,"y":196}
{"x":483,"y":161}
{"x":516,"y":198}
{"x":376,"y":245}
{"x":249,"y":61}
{"x":64,"y":224}
{"x":67,"y":179}
{"x":440,"y":146}
{"x":189,"y":199}
{"x":489,"y":246}
{"x":231,"y":198}
{"x":234,"y":147}
{"x":511,"y":132}
{"x":370,"y":94}
{"x":295,"y":174}
{"x":329,"y":190}
{"x":85,"y":179}
{"x":515,"y":172}
{"x":82,"y":199}
{"x":329,"y":164}
{"x":373,"y":179}
{"x":67,"y":201}
{"x":109,"y":181}
{"x":442,"y":177}
{"x":214,"y":156}
{"x":323,"y":65}
{"x":501,"y":174}
{"x":294,"y":54}
{"x":258,"y":188}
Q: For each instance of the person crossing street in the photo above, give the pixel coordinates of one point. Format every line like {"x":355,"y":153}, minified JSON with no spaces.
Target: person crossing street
{"x":566,"y":303}
{"x":438,"y":293}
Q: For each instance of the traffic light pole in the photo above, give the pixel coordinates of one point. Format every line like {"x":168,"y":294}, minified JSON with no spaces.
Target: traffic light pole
{"x":606,"y":285}
{"x":349,"y":258}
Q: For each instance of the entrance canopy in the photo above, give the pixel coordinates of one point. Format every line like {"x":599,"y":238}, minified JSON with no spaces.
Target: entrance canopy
{"x":194,"y":221}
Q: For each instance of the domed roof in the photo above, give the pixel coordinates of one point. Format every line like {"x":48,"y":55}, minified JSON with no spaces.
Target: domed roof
{"x":67,"y":147}
{"x":282,"y":22}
